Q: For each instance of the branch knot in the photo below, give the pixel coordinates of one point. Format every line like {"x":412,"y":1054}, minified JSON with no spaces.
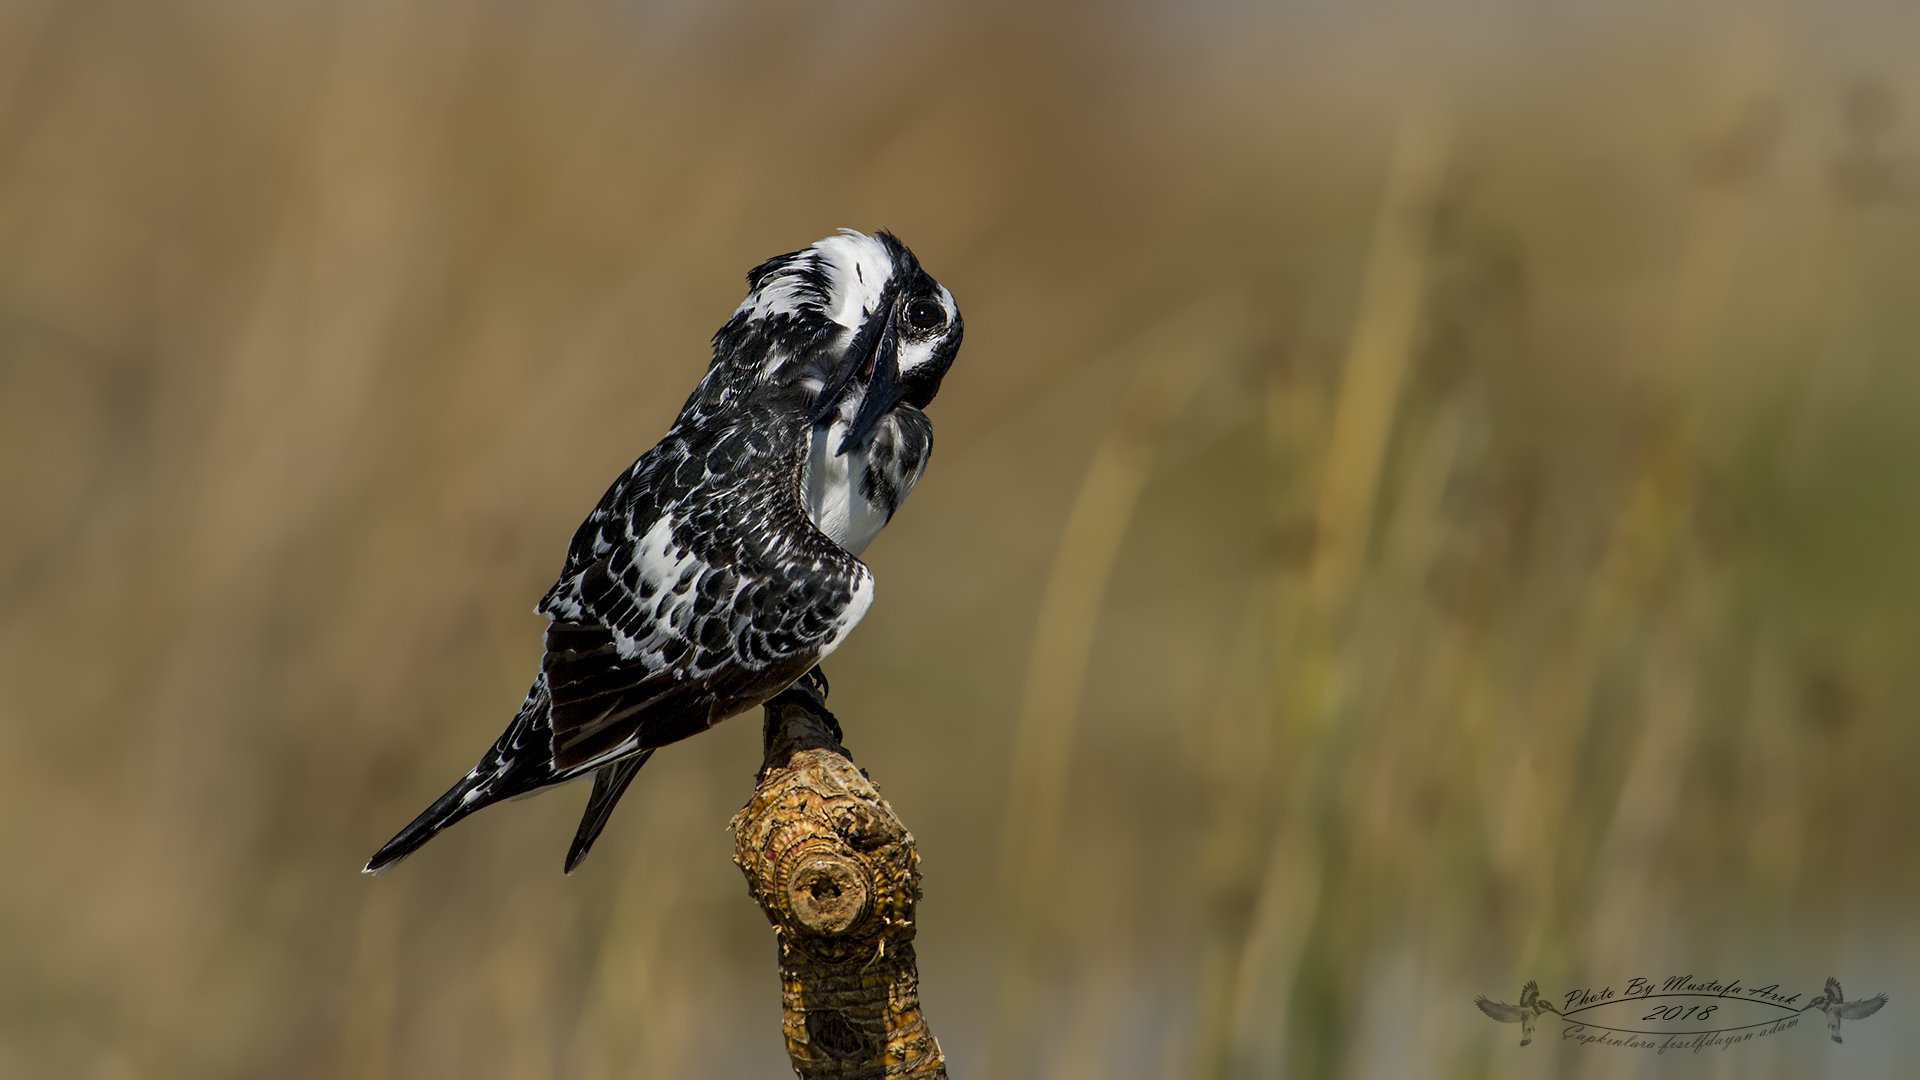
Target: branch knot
{"x":837,"y":876}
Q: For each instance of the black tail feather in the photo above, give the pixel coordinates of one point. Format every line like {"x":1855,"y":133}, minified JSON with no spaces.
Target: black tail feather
{"x":520,"y":763}
{"x":445,"y":810}
{"x":609,"y":783}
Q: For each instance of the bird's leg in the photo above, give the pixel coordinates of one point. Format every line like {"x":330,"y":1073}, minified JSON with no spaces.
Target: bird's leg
{"x":814,"y":682}
{"x":797,"y":719}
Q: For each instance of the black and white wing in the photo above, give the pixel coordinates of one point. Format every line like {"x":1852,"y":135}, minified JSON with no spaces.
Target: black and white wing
{"x":1501,"y":1011}
{"x":697,"y":589}
{"x":676,"y":629}
{"x":1860,"y":1010}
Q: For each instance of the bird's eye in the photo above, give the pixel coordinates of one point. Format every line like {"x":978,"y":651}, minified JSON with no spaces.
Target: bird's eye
{"x":925,"y":315}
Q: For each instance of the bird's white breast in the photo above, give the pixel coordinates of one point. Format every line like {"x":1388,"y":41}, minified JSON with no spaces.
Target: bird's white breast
{"x":831,"y":485}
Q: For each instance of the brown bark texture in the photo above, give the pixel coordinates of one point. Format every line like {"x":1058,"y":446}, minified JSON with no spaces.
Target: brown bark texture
{"x":837,"y":875}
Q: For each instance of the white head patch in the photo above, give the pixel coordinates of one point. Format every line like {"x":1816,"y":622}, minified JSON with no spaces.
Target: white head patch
{"x":856,"y":267}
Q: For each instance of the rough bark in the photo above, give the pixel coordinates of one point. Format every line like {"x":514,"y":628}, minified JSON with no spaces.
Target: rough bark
{"x":837,"y":875}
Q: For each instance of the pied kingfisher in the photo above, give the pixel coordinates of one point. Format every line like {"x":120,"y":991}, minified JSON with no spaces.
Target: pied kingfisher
{"x":1835,"y":1004}
{"x":723,"y":565}
{"x":1531,"y":1005}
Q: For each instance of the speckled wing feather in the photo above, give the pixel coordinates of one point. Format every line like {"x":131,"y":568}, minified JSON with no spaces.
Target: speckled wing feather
{"x":695,"y":590}
{"x":1860,"y":1010}
{"x":1501,"y":1011}
{"x":701,"y":589}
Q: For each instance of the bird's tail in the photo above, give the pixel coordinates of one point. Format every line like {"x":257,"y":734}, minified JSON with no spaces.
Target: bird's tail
{"x":445,"y":810}
{"x":520,"y":763}
{"x":609,"y":783}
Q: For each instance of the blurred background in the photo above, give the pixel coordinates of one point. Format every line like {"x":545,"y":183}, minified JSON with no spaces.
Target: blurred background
{"x":1430,"y":500}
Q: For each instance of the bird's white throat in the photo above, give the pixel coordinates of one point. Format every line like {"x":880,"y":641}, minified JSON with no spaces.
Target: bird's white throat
{"x":831,"y":485}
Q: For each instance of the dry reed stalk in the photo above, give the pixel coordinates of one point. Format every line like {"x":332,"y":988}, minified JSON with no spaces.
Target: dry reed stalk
{"x":1376,"y":359}
{"x":1231,"y":766}
{"x":1674,"y":601}
{"x":1304,"y":678}
{"x":1063,"y":642}
{"x":366,"y":1039}
{"x":633,"y":1014}
{"x":1670,"y":592}
{"x":1546,"y":777}
{"x":1774,"y":789}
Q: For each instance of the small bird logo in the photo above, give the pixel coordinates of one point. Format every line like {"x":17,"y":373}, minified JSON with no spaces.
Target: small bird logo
{"x":1531,"y":1005}
{"x":1837,"y":1008}
{"x":725,"y":563}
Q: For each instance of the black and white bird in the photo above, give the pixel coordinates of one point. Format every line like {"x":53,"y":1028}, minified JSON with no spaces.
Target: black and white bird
{"x":1531,"y":1005}
{"x":1835,"y":1004}
{"x":724,"y":565}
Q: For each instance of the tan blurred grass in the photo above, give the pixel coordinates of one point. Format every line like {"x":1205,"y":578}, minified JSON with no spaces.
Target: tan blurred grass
{"x":320,"y":326}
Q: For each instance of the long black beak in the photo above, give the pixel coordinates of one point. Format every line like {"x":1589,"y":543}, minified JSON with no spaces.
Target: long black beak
{"x":883,"y":390}
{"x":873,"y":355}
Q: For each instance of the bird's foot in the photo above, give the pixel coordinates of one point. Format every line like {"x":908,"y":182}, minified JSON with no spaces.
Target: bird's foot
{"x":814,"y":685}
{"x":816,"y":680}
{"x":797,"y":718}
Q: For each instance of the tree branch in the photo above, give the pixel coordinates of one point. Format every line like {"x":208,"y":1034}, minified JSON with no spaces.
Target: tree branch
{"x":837,"y":875}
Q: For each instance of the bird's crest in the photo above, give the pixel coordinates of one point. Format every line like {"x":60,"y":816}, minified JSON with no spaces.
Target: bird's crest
{"x":841,"y":278}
